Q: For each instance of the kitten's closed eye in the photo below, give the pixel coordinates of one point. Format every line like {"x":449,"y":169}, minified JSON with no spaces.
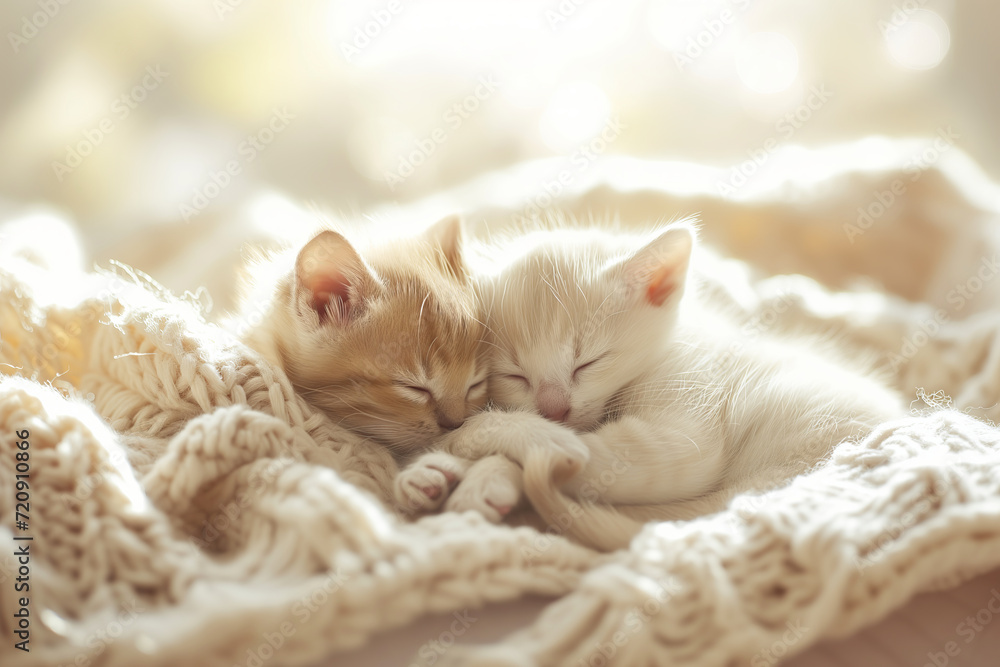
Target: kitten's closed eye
{"x":422,"y":393}
{"x":583,"y":367}
{"x":416,"y":391}
{"x":518,"y":378}
{"x":340,"y":316}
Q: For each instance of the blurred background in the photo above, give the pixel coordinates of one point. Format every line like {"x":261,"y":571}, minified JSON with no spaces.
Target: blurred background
{"x":136,"y":119}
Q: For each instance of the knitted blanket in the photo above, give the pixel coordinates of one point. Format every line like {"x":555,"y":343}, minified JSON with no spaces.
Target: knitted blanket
{"x":166,"y":498}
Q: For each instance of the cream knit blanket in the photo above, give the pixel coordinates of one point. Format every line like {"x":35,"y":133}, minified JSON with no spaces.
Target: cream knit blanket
{"x":185,"y":507}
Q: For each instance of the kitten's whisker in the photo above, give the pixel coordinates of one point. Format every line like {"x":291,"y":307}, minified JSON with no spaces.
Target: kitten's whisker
{"x":358,"y":411}
{"x":489,"y":342}
{"x":371,"y":416}
{"x":610,"y":315}
{"x":555,"y":295}
{"x":480,"y":322}
{"x":315,"y":390}
{"x":331,"y":387}
{"x":420,"y":316}
{"x":431,"y":345}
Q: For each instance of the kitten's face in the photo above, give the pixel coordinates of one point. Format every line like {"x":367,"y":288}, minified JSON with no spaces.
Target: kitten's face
{"x":390,"y":347}
{"x":576,"y":320}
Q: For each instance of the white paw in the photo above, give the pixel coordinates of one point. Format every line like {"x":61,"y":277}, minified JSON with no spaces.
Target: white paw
{"x":565,"y":442}
{"x":424,"y":485}
{"x":516,"y":435}
{"x":492,"y":487}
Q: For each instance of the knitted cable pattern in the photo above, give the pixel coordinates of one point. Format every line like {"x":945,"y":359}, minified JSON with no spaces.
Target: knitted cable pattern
{"x":186,"y":504}
{"x":187,"y":507}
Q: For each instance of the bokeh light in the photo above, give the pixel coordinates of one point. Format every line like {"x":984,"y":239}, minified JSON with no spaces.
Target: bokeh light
{"x":920,"y":41}
{"x":575,"y":113}
{"x":674,"y":24}
{"x":767,"y":62}
{"x":697,"y":80}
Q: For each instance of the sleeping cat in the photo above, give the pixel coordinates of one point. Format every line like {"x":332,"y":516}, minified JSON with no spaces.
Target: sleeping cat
{"x":384,"y":337}
{"x":624,"y":377}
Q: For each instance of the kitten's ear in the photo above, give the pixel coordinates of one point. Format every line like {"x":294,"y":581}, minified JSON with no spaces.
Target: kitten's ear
{"x":331,"y":279}
{"x":659,"y":269}
{"x":446,"y":235}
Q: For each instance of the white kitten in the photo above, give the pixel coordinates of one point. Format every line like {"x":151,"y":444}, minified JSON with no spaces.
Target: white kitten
{"x":658,"y":395}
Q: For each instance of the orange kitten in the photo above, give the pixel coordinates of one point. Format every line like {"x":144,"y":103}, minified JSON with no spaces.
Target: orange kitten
{"x":381,"y":335}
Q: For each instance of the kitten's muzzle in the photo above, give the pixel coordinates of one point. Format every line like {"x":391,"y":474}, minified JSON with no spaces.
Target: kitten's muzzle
{"x":449,"y":423}
{"x":552,"y":402}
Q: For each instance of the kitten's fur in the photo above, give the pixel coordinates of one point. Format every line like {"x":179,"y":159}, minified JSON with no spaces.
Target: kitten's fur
{"x":662,"y":399}
{"x":383,"y":336}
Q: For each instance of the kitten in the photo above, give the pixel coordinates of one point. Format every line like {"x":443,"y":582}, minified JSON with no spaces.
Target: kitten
{"x":628,"y":381}
{"x":382,"y":336}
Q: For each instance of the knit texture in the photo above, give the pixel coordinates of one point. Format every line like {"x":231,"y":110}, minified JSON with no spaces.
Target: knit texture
{"x":185,"y":504}
{"x":187,"y":507}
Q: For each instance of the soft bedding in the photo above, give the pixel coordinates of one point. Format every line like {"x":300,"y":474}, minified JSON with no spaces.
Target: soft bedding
{"x":188,"y":507}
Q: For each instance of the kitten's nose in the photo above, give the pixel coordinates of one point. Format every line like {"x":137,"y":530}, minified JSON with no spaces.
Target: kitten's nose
{"x":448,"y":423}
{"x":552,"y":402}
{"x":558,"y":414}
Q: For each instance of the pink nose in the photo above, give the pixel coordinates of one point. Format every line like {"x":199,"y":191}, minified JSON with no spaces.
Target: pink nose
{"x":552,"y":402}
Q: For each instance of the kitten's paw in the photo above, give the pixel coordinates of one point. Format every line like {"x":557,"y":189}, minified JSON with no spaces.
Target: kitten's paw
{"x":516,"y":435}
{"x":574,"y":452}
{"x":560,"y":444}
{"x":492,"y":487}
{"x":425,"y":484}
